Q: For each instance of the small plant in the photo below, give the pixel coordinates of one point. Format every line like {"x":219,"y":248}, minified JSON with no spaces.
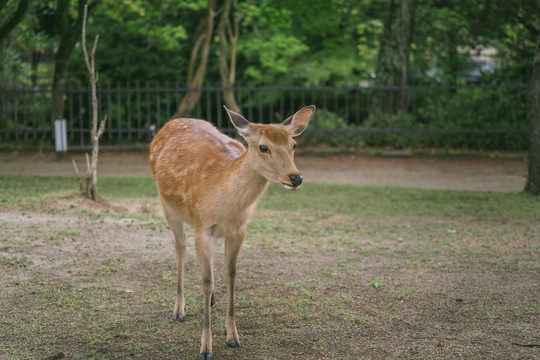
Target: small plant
{"x":376,"y":283}
{"x":15,"y":260}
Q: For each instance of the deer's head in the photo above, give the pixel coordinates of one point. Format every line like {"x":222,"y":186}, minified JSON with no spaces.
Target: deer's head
{"x":271,"y":146}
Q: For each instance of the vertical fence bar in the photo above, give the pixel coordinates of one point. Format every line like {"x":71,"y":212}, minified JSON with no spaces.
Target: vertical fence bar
{"x":25,"y":113}
{"x":346,"y":95}
{"x":70,"y":105}
{"x":118,"y":111}
{"x":4,"y":112}
{"x":148,"y":119}
{"x":109,"y":122}
{"x":281,"y":90}
{"x":158,"y":103}
{"x":168,"y":100}
{"x":34,"y":122}
{"x":128,"y":110}
{"x":138,"y":101}
{"x":220,"y":112}
{"x":292,"y":108}
{"x":259,"y":103}
{"x":80,"y":116}
{"x":250,"y":99}
{"x":209,"y":107}
{"x":16,"y":114}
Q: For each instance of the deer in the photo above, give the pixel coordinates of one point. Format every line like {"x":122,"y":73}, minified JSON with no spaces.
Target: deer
{"x":213,"y":182}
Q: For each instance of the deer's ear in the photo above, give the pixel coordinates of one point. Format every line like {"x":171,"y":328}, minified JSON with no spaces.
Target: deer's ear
{"x":239,"y":122}
{"x":297,"y":123}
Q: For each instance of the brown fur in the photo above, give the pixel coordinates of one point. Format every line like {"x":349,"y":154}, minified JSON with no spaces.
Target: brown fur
{"x":213,"y":182}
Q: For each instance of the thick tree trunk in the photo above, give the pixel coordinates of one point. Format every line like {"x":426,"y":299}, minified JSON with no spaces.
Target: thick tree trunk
{"x":533,"y":124}
{"x":194,"y":82}
{"x":392,"y":67}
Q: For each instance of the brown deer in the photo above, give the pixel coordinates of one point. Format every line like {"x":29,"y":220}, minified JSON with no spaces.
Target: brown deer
{"x":213,"y":182}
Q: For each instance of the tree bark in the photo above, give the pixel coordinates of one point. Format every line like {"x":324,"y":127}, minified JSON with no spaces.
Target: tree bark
{"x":532,"y":185}
{"x":68,"y":32}
{"x":14,"y":20}
{"x":229,"y":34}
{"x":195,"y":81}
{"x":392,"y":67}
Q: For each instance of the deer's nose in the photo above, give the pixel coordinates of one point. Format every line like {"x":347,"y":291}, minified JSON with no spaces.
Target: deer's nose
{"x":296,"y":180}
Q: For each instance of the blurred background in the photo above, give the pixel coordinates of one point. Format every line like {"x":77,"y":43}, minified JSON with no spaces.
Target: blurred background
{"x":383,"y":73}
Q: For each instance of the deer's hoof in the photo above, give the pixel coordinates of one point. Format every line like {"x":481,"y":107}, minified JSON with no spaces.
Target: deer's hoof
{"x":205,"y":356}
{"x":178,"y":317}
{"x":234,"y":343}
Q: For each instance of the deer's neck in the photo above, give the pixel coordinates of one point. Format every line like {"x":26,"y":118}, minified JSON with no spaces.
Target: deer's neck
{"x":246,"y":183}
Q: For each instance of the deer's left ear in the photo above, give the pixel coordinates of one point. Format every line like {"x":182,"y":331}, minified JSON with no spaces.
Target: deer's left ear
{"x":239,"y":122}
{"x":297,"y":123}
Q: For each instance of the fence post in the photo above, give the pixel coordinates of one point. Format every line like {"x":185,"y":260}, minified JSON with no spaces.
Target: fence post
{"x":60,"y":135}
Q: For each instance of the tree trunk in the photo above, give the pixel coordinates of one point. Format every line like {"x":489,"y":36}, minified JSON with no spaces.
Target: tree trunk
{"x":227,"y":60}
{"x":90,"y":190}
{"x":194,"y":82}
{"x":533,"y":124}
{"x":68,"y":39}
{"x":392,"y":67}
{"x":14,"y":20}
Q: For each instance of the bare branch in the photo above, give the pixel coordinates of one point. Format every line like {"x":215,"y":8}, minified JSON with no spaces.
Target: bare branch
{"x":241,"y":18}
{"x":102,"y":127}
{"x":88,"y":167}
{"x":86,"y":60}
{"x":81,"y":183}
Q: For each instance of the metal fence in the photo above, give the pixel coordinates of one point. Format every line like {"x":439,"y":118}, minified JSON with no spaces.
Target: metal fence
{"x":134,"y":110}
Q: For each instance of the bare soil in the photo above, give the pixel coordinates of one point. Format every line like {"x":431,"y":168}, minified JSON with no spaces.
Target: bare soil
{"x":97,"y":281}
{"x":458,"y":173}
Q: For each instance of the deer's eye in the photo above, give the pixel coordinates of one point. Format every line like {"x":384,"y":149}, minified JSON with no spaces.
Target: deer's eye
{"x":263,"y":149}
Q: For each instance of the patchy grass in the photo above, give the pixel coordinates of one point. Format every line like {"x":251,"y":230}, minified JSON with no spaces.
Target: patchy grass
{"x":362,"y":272}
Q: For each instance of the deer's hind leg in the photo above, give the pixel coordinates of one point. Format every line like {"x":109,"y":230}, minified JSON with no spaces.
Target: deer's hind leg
{"x":177,"y":227}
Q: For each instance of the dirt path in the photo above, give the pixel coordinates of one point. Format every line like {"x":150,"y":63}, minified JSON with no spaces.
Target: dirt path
{"x":483,"y":174}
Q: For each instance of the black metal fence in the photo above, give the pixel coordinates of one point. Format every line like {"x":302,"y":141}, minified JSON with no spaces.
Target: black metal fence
{"x":346,"y":114}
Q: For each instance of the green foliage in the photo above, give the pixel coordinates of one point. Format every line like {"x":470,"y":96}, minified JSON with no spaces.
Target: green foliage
{"x":454,"y":111}
{"x":329,"y":128}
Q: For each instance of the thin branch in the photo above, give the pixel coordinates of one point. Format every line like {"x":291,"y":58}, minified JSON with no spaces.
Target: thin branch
{"x":81,"y":184}
{"x":86,"y":60}
{"x":102,"y":126}
{"x":88,"y":167}
{"x":525,"y":345}
{"x":241,"y":18}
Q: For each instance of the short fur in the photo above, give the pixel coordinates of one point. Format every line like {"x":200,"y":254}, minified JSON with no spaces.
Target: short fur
{"x":213,"y":182}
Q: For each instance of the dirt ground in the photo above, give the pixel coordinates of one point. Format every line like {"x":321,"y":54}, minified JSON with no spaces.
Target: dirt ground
{"x":458,"y":173}
{"x":90,"y":281}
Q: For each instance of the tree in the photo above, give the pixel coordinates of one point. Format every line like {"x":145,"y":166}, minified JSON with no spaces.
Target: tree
{"x":533,"y":124}
{"x":392,"y":67}
{"x":90,"y":190}
{"x":228,"y":34}
{"x":12,"y":21}
{"x":64,"y":22}
{"x":195,"y":79}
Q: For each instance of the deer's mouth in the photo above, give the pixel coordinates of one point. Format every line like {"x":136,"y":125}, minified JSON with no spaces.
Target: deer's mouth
{"x":289,"y":186}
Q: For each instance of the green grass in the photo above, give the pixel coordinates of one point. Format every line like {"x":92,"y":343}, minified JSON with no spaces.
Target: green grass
{"x":331,"y":257}
{"x":311,"y":199}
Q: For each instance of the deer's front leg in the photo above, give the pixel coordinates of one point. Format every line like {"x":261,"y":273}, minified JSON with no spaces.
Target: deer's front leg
{"x":203,"y":245}
{"x":232,"y":249}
